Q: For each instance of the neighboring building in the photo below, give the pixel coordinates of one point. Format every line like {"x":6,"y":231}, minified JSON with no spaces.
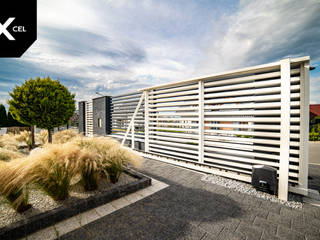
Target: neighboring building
{"x":314,"y":111}
{"x":314,"y":115}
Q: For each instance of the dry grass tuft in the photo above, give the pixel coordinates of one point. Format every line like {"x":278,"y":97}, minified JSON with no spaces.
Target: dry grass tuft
{"x":53,"y":166}
{"x":42,"y":137}
{"x":64,"y":136}
{"x":7,"y":155}
{"x":25,"y":137}
{"x":9,"y":142}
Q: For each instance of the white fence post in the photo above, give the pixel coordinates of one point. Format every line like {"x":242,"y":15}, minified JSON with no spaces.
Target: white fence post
{"x":146,"y":121}
{"x":285,"y":130}
{"x":201,"y":121}
{"x":304,"y":125}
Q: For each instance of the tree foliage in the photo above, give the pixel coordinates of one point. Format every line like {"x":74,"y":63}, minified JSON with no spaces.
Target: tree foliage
{"x":43,"y":102}
{"x":3,"y":116}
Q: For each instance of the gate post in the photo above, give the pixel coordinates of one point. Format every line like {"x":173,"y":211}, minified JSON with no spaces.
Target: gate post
{"x":201,"y":120}
{"x":146,"y":121}
{"x":284,"y":130}
{"x":304,"y":126}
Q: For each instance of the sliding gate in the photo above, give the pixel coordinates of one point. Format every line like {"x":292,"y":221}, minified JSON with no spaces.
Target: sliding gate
{"x":226,"y":123}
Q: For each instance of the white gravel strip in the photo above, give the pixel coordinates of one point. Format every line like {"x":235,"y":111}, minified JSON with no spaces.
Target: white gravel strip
{"x":250,"y":190}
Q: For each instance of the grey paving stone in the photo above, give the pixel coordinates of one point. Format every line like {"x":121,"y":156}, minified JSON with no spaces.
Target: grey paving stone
{"x":193,"y":233}
{"x":250,"y":231}
{"x":279,"y":219}
{"x":244,"y":215}
{"x":270,"y":206}
{"x":257,"y":211}
{"x":299,"y":225}
{"x":289,"y":234}
{"x":268,"y":236}
{"x":230,"y":235}
{"x":266,"y":225}
{"x":312,"y":220}
{"x":290,"y":213}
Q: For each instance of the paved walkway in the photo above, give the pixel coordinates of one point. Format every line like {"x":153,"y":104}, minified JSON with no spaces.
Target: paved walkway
{"x":192,"y":209}
{"x":314,"y":152}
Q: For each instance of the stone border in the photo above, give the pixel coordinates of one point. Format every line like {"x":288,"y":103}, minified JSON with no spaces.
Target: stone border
{"x":27,"y":226}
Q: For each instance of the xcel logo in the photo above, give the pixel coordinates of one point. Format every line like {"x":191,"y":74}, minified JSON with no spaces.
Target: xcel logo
{"x":4,"y":27}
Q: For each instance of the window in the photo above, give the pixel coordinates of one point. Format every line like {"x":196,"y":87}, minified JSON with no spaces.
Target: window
{"x":99,"y":122}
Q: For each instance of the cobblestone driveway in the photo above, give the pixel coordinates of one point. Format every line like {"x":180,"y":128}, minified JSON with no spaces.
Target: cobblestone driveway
{"x":192,"y":209}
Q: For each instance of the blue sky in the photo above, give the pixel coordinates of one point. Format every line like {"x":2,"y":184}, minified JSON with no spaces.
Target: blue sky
{"x":119,"y":46}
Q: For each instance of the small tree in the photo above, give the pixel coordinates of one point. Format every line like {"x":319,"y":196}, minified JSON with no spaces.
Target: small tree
{"x":42,"y":102}
{"x":3,"y":116}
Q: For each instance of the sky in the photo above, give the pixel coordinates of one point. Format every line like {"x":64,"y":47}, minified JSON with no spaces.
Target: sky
{"x":118,"y":46}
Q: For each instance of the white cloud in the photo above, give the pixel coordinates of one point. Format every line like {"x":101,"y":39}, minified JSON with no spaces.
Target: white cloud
{"x":264,"y":31}
{"x":315,"y":90}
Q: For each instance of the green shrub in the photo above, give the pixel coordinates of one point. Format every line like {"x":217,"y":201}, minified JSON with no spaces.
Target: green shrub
{"x":314,"y":136}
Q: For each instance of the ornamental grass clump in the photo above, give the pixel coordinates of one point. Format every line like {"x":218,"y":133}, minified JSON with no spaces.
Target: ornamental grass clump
{"x":7,"y":155}
{"x":42,"y":137}
{"x":65,"y":136}
{"x":26,"y":138}
{"x":9,"y":142}
{"x":116,"y":159}
{"x":16,"y":194}
{"x":109,"y":156}
{"x":52,"y":169}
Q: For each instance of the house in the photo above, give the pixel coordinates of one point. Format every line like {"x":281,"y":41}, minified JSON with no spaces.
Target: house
{"x":314,"y":113}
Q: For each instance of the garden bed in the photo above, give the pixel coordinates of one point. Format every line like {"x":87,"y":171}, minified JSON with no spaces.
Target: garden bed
{"x":45,"y":211}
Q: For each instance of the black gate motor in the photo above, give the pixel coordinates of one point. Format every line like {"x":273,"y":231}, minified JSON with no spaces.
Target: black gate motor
{"x":264,"y":178}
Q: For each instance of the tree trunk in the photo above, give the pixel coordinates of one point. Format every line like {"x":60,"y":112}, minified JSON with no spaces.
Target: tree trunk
{"x":49,"y":136}
{"x":33,"y":144}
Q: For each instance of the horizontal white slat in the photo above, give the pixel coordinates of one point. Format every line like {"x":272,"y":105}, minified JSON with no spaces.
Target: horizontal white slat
{"x":247,"y":119}
{"x":234,"y":160}
{"x":174,"y":89}
{"x":175,"y":129}
{"x":162,"y":124}
{"x":174,"y":149}
{"x":173,"y":99}
{"x":251,"y":126}
{"x":249,"y":105}
{"x":247,"y":147}
{"x":239,"y":139}
{"x":179,"y":145}
{"x":174,"y":139}
{"x":173,"y":109}
{"x":242,"y":153}
{"x":249,"y":133}
{"x":177,"y":119}
{"x":249,"y":112}
{"x":174,"y":153}
{"x":270,"y":90}
{"x":266,"y":83}
{"x":188,"y":103}
{"x":175,"y":114}
{"x":181,"y":135}
{"x":246,"y":79}
{"x":275,"y":97}
{"x":175,"y":94}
